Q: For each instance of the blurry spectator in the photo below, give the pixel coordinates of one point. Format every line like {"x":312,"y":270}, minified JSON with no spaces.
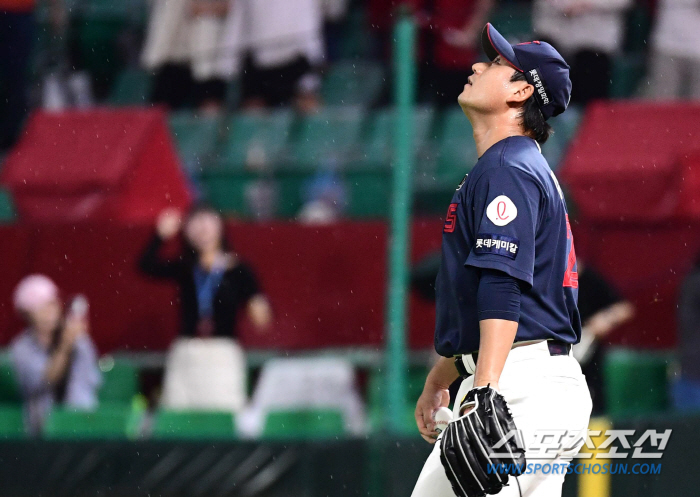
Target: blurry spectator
{"x":334,"y":12}
{"x":206,"y":368}
{"x":449,"y":40}
{"x":325,"y":198}
{"x":675,"y":50}
{"x":277,"y":45}
{"x":182,"y":46}
{"x":588,"y":33}
{"x":54,"y":358}
{"x":602,"y":310}
{"x":686,"y":390}
{"x":214,"y":283}
{"x":63,"y":88}
{"x":17,"y":35}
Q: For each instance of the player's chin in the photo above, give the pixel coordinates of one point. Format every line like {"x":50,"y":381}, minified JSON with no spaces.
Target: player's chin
{"x":463,"y":98}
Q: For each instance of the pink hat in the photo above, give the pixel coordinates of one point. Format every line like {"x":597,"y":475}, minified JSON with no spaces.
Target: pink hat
{"x":33,"y":292}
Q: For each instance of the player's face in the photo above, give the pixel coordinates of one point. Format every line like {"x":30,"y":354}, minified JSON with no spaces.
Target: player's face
{"x":203,"y":231}
{"x":489,"y":88}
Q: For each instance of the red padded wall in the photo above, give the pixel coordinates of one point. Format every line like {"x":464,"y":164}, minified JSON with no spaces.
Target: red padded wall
{"x":327,"y":284}
{"x":633,"y":171}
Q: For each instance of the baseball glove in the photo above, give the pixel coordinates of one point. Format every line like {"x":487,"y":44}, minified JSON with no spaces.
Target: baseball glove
{"x":475,"y":462}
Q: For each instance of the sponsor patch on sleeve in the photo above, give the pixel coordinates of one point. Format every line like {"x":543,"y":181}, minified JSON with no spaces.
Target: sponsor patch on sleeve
{"x":501,"y":211}
{"x":487,"y":243}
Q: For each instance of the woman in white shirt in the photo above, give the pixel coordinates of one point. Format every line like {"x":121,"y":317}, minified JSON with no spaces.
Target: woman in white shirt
{"x":275,"y":46}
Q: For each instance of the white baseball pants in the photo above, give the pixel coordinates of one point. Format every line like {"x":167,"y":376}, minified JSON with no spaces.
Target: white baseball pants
{"x":544,"y":392}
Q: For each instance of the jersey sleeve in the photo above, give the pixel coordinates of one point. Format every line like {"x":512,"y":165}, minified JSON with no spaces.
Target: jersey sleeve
{"x":506,"y":208}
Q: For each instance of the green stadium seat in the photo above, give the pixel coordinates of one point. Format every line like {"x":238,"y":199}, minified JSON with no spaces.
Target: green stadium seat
{"x":638,"y":28}
{"x":376,"y":396}
{"x":254,"y":139}
{"x":380,"y":144}
{"x":96,"y":28}
{"x":7,"y":207}
{"x":331,"y":135}
{"x":105,"y":8}
{"x":368,"y":192}
{"x":369,"y":179}
{"x":107,"y":421}
{"x":11,"y":421}
{"x":232,"y":99}
{"x":513,"y":20}
{"x":194,"y":424}
{"x":230,"y":192}
{"x":354,"y":43}
{"x":132,"y":87}
{"x":290,"y":186}
{"x":120,"y":382}
{"x":227,"y":193}
{"x":196,"y":138}
{"x":636,"y":382}
{"x":9,"y":389}
{"x":456,"y":149}
{"x":627,"y":72}
{"x":308,"y":423}
{"x":357,"y":82}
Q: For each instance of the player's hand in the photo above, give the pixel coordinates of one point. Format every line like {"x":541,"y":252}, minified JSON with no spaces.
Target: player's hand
{"x":168,"y":224}
{"x":430,"y":401}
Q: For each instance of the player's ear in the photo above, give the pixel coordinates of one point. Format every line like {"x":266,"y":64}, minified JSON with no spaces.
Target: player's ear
{"x":520,"y":91}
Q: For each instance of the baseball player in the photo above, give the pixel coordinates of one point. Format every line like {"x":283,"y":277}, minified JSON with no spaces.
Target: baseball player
{"x":507,"y":288}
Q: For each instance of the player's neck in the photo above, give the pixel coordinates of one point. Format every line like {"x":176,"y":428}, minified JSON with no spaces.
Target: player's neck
{"x":490,"y":129}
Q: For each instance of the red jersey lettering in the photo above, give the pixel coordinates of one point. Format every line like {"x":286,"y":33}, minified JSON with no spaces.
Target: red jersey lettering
{"x":571,"y":274}
{"x":451,"y":219}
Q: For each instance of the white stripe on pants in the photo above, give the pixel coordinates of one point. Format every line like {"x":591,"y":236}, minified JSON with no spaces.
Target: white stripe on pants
{"x":544,"y":392}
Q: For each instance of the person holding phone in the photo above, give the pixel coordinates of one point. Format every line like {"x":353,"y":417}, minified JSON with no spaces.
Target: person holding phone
{"x":54,"y":358}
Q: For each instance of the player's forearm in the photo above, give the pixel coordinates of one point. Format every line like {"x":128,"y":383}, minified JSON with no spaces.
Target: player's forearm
{"x":497,"y":336}
{"x":443,"y":374}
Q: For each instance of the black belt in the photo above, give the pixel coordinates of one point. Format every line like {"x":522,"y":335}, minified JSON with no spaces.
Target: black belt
{"x":556,"y":347}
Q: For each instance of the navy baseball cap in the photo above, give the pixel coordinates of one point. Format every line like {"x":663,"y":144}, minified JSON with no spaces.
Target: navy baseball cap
{"x":543,"y":67}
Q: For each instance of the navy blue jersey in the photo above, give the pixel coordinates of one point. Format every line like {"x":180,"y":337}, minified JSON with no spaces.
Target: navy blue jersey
{"x":509,"y":215}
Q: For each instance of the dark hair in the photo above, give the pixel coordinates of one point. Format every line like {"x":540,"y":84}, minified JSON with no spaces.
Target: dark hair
{"x":531,"y":116}
{"x":190,"y":254}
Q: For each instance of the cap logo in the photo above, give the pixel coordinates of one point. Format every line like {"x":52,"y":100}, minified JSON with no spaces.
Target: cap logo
{"x":540,"y":90}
